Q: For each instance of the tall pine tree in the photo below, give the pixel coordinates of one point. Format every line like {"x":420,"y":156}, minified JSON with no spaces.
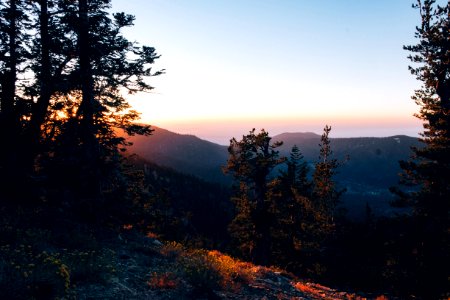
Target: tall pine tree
{"x":325,"y":193}
{"x":14,"y":52}
{"x":61,"y":122}
{"x":429,"y":169}
{"x":292,"y":234}
{"x":251,"y":161}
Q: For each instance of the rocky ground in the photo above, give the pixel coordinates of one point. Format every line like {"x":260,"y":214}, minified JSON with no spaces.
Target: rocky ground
{"x":144,"y":268}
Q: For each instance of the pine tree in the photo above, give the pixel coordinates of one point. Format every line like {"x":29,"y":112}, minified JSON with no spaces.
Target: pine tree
{"x":61,"y":122}
{"x":14,"y":42}
{"x":291,"y":207}
{"x":325,"y":194}
{"x":429,"y":169}
{"x":251,"y":161}
{"x":94,"y":107}
{"x":296,"y":174}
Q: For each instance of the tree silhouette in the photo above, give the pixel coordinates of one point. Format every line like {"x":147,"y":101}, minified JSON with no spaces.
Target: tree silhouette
{"x":430,"y":167}
{"x":296,"y":174}
{"x":324,"y":194}
{"x":285,"y":218}
{"x":293,"y":235}
{"x":13,"y":55}
{"x":61,"y":122}
{"x":251,"y":161}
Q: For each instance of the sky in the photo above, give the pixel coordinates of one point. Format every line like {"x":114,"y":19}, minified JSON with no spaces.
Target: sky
{"x":281,"y":65}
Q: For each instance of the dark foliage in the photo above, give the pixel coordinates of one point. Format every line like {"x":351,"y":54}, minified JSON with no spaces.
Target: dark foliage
{"x":180,"y":207}
{"x":285,"y":219}
{"x":429,"y":169}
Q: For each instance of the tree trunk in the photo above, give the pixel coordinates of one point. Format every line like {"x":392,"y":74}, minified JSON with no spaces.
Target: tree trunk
{"x":32,"y":135}
{"x":90,"y":151}
{"x":9,"y":122}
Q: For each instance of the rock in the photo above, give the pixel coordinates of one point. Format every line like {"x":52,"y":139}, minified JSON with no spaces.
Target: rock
{"x":157,"y":243}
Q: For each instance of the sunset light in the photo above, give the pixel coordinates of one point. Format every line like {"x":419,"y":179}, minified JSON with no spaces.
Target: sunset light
{"x":293,"y":66}
{"x":224,"y":149}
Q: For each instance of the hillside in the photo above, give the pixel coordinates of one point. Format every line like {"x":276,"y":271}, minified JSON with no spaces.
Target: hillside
{"x":185,"y":153}
{"x":79,"y":262}
{"x":368,"y":161}
{"x":184,"y":207}
{"x":145,"y":268}
{"x":370,"y":165}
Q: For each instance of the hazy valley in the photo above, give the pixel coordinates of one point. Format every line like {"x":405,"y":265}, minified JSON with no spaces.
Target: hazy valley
{"x":370,"y":166}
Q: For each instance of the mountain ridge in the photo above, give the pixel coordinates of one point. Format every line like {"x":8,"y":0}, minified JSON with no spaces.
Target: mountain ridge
{"x":370,"y":165}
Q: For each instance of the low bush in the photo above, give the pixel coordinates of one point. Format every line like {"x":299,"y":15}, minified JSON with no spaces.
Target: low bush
{"x":25,"y":274}
{"x":207,"y":271}
{"x":163,"y":281}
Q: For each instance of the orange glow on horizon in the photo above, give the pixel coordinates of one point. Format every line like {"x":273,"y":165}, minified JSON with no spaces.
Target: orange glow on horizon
{"x":220,"y":130}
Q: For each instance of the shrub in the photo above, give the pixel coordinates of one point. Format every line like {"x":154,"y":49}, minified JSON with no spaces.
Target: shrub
{"x":172,"y":249}
{"x":232,"y":270}
{"x":89,"y":265}
{"x":207,"y":271}
{"x":25,"y":274}
{"x":167,"y":280}
{"x":201,"y":272}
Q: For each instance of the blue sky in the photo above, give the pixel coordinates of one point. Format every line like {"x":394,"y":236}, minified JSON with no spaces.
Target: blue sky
{"x":279,"y":65}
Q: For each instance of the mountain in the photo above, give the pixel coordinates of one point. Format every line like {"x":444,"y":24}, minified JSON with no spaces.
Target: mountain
{"x":295,"y":137}
{"x":367,"y":160}
{"x":369,"y":165}
{"x":185,"y":153}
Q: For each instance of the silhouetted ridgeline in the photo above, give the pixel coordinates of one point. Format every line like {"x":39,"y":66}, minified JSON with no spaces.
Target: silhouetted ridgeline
{"x":185,"y":153}
{"x":370,"y":164}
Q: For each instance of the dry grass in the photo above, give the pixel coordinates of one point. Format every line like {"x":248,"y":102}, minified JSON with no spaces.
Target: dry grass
{"x":231,"y":269}
{"x":305,"y":288}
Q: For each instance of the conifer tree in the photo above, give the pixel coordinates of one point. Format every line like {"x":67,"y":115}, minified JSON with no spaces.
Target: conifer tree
{"x":293,"y":214}
{"x":14,"y":42}
{"x":296,"y":174}
{"x":106,"y":63}
{"x":251,"y":161}
{"x":61,"y":122}
{"x":325,"y":194}
{"x":429,"y":168}
{"x":52,"y":53}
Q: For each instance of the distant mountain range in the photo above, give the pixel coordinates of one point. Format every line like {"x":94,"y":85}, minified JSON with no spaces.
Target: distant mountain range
{"x":370,"y":165}
{"x":366,"y":161}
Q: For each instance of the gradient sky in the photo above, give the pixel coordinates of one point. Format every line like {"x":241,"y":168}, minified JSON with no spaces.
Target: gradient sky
{"x":282,"y":65}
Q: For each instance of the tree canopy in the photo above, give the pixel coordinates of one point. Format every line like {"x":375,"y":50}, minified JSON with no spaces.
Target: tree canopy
{"x":65,"y":68}
{"x":429,"y":169}
{"x":282,"y":216}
